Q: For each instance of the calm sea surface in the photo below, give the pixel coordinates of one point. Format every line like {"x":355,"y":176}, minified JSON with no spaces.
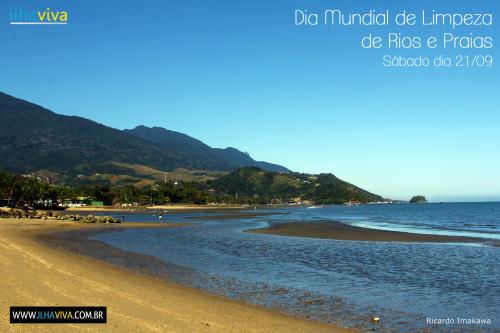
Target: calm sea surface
{"x":344,"y":282}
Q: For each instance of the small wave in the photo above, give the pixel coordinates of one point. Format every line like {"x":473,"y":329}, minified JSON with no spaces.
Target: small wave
{"x":423,"y":230}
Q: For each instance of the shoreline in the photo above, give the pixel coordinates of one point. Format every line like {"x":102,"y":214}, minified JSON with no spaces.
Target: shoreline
{"x":341,"y":231}
{"x":36,"y":273}
{"x":182,"y":208}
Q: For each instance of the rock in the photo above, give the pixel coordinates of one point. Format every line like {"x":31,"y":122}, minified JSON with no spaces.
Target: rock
{"x":90,"y":219}
{"x":101,"y":219}
{"x":112,"y":220}
{"x":418,"y":199}
{"x":51,"y":215}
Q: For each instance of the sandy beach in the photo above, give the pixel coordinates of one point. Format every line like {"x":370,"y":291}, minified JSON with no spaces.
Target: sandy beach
{"x":36,"y":274}
{"x":341,"y":231}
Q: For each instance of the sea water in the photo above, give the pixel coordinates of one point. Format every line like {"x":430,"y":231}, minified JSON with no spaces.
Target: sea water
{"x":411,"y":286}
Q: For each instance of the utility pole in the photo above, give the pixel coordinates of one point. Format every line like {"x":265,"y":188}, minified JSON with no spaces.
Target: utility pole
{"x":151,"y":193}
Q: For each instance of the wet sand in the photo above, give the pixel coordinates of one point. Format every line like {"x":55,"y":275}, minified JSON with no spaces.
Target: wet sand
{"x":34,"y":273}
{"x":232,"y":216}
{"x":341,"y":231}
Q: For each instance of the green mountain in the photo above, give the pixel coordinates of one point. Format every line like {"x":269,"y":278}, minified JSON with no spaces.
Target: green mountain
{"x":254,"y":185}
{"x":199,"y":153}
{"x":33,"y":138}
{"x":82,"y":153}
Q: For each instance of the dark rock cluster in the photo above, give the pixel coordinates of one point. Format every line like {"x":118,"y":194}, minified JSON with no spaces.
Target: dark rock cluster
{"x":51,"y":215}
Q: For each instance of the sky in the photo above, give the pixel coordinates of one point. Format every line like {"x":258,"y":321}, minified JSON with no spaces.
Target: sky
{"x":242,"y":74}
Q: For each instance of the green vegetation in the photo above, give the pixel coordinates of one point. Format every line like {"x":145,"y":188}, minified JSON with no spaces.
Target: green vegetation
{"x":34,"y":138}
{"x":35,"y":192}
{"x":418,"y":199}
{"x":29,"y":190}
{"x":256,"y":186}
{"x":73,"y":159}
{"x":248,"y":185}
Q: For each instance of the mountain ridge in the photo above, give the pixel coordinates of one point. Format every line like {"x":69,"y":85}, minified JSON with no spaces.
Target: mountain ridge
{"x":172,"y":141}
{"x":81,"y":153}
{"x":34,"y":138}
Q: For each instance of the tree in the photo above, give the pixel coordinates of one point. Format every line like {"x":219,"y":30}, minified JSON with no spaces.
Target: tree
{"x":6,"y":183}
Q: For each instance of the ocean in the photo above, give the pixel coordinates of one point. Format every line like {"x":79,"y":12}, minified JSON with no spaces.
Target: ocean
{"x":410,"y":286}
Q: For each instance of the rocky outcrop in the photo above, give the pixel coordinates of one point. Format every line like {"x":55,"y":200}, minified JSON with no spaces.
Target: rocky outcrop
{"x":418,"y":199}
{"x":54,"y":215}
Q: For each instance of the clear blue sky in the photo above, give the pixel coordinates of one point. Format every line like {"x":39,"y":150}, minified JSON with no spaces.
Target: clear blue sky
{"x":239,"y":73}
